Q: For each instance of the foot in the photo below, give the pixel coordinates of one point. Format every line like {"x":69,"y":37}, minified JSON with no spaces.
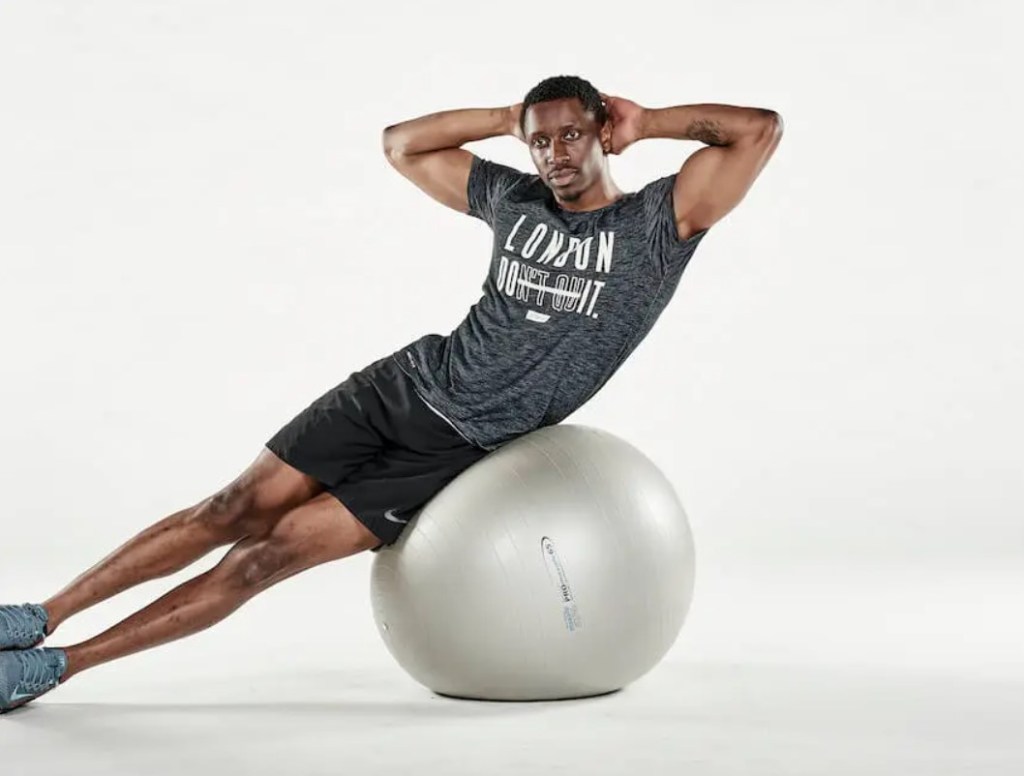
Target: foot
{"x":22,"y":627}
{"x":25,"y":674}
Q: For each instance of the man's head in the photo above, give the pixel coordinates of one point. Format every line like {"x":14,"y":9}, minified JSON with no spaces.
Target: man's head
{"x":565,"y":125}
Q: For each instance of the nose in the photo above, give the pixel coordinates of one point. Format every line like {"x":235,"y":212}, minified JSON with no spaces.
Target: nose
{"x":557,"y":153}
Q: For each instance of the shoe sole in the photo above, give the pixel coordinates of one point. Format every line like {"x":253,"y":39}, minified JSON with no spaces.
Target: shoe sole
{"x":25,"y":702}
{"x":10,"y":649}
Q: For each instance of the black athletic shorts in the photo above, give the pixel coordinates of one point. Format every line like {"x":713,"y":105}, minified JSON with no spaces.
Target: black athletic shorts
{"x":377,"y":447}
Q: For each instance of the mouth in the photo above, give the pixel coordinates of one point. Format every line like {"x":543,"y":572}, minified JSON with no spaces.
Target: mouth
{"x":563,"y":176}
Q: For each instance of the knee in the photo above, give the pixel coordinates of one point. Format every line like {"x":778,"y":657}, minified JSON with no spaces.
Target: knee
{"x":255,"y":564}
{"x":226,"y":512}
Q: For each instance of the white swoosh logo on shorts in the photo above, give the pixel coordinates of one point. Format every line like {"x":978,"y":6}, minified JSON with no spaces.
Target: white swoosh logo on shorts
{"x":390,"y":516}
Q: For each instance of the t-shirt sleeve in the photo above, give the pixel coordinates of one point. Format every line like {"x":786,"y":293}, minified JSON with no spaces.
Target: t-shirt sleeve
{"x":489,"y":182}
{"x":669,"y":253}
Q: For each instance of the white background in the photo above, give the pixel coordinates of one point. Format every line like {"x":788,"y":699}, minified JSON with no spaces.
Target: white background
{"x":199,"y":234}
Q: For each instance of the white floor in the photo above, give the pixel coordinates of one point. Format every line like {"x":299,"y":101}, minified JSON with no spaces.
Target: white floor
{"x":919,"y":673}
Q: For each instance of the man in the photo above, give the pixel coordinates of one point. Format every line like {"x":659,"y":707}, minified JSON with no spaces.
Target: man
{"x":580,"y":271}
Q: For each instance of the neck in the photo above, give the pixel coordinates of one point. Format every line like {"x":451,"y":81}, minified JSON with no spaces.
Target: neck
{"x":601,"y":194}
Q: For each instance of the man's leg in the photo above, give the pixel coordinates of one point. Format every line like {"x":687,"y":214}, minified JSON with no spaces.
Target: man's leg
{"x":250,"y":505}
{"x":317,"y":532}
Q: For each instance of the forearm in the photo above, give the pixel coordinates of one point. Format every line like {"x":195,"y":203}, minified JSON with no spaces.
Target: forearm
{"x":447,"y":129}
{"x":710,"y":123}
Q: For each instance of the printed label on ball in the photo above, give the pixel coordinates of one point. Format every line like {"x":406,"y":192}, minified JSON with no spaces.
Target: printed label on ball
{"x":556,"y":572}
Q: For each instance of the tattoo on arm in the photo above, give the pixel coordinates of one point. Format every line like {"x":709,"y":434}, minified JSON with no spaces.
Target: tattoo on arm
{"x":707,"y":131}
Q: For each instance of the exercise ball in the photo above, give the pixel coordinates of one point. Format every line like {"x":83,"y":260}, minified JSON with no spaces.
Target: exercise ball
{"x":561,"y":565}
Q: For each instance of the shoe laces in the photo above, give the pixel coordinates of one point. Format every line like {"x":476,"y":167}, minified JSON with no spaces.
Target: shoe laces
{"x":38,"y":672}
{"x":20,"y":625}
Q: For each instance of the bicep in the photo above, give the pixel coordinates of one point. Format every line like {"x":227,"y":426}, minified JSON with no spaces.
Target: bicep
{"x":443,"y":174}
{"x":713,"y":180}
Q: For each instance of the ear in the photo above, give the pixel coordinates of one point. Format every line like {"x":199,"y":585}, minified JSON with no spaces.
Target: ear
{"x":606,"y":136}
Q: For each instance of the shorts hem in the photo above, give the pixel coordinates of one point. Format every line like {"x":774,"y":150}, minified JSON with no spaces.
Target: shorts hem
{"x":339,"y":495}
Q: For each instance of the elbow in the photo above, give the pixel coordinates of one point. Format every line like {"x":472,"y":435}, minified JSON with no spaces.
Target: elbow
{"x":772,"y":122}
{"x":387,"y":142}
{"x":762,"y":127}
{"x":766,"y":130}
{"x":390,"y":143}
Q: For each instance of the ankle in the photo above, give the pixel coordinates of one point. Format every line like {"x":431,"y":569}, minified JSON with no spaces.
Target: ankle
{"x":54,"y":617}
{"x":72,"y":664}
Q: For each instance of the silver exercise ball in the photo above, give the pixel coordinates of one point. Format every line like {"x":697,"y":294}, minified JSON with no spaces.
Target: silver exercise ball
{"x":559,"y":566}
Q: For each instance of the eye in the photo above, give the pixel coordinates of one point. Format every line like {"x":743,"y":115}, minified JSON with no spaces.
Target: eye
{"x":574,"y":132}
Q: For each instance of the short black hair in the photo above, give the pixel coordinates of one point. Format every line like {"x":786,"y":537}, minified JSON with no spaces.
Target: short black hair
{"x":560,"y":87}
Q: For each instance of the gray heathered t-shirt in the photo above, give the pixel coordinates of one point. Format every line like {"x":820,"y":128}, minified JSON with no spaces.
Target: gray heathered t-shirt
{"x":568,"y":297}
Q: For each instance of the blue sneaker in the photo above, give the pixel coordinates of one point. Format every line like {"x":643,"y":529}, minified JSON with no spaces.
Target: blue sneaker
{"x":25,"y":674}
{"x":22,"y":627}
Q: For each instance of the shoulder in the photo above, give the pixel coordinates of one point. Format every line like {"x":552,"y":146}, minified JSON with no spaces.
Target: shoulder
{"x":493,"y":185}
{"x":653,"y":202}
{"x":497,"y":174}
{"x":663,"y":235}
{"x":658,"y":190}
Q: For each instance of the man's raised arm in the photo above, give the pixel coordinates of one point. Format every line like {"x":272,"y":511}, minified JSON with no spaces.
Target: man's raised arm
{"x":713,"y":180}
{"x":427,"y":150}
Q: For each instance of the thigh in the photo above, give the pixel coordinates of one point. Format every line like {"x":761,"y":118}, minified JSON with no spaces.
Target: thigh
{"x":386,"y":494}
{"x":378,"y":448}
{"x":256,"y":499}
{"x":340,"y":432}
{"x":276,"y":485}
{"x":337,"y":433}
{"x":319,"y":531}
{"x":424,"y":454}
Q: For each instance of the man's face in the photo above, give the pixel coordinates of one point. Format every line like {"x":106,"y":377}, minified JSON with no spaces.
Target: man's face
{"x":560,"y":134}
